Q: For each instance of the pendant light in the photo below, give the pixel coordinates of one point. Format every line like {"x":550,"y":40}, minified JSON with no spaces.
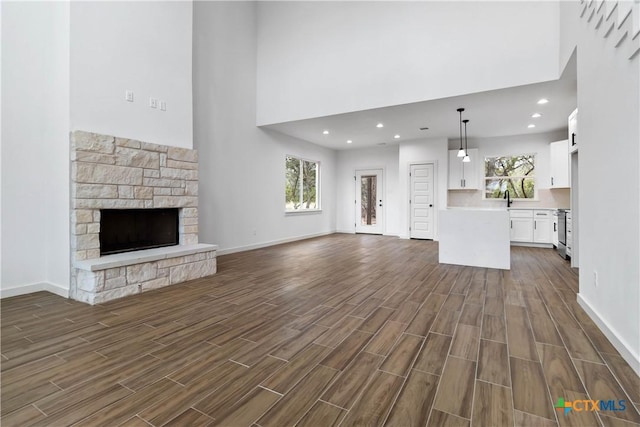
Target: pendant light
{"x":461,"y":152}
{"x":466,"y":158}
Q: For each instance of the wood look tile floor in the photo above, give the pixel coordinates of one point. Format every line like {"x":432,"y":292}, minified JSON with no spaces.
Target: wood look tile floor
{"x":340,"y":330}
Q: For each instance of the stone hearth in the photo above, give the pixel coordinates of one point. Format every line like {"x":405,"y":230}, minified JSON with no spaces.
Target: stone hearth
{"x":108,"y":172}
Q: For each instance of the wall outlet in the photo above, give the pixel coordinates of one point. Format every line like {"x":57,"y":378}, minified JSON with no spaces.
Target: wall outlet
{"x":595,"y":278}
{"x":153,"y":103}
{"x":128,"y":95}
{"x":163,"y":105}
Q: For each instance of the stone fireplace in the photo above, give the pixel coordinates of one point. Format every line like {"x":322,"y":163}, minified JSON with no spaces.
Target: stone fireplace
{"x":128,"y":180}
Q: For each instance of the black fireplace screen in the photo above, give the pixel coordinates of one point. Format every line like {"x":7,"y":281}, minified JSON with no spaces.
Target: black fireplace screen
{"x":125,"y":230}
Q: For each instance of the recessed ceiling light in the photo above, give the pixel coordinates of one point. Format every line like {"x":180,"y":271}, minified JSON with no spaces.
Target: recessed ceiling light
{"x":396,"y":136}
{"x":349,"y":141}
{"x":536,"y":115}
{"x":531,"y":126}
{"x":379,"y":125}
{"x":325,"y":132}
{"x":543,"y":101}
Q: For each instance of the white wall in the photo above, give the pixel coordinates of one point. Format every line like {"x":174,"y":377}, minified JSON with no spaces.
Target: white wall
{"x":321,"y":58}
{"x":538,"y":144}
{"x":369,"y":158}
{"x":433,"y":150}
{"x":242,"y":166}
{"x":139,"y":46}
{"x":35,"y":153}
{"x":609,"y":188}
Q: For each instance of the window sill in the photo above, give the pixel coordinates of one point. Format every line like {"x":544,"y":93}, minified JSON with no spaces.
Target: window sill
{"x":303,"y":212}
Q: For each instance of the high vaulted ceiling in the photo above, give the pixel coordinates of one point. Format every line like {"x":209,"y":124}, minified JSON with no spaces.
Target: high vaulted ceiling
{"x":494,"y":113}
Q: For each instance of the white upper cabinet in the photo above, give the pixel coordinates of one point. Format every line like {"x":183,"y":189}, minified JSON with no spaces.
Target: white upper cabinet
{"x":559,"y":164}
{"x":573,"y":131}
{"x":464,"y":176}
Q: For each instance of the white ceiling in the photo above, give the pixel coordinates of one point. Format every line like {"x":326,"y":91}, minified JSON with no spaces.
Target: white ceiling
{"x":494,"y":113}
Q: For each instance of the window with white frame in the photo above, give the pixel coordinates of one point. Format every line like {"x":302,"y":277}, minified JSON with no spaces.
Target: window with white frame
{"x":513,"y":173}
{"x":301,"y":185}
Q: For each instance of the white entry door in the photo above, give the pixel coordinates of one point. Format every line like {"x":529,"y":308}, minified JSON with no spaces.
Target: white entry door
{"x":421,"y":201}
{"x":369,"y":202}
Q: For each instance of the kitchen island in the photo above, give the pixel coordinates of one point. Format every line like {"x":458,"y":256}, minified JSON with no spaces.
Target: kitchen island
{"x":475,"y":237}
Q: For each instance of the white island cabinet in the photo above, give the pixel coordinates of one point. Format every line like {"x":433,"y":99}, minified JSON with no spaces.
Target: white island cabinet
{"x":475,"y":237}
{"x":531,"y":227}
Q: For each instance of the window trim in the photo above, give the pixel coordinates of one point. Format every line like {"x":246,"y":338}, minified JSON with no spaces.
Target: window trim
{"x":318,"y":208}
{"x":534,"y":177}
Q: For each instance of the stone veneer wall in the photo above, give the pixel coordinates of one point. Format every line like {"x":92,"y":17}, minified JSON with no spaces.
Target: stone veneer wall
{"x":108,"y":172}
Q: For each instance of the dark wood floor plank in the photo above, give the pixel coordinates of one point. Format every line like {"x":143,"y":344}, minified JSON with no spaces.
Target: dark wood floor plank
{"x":434,"y":353}
{"x":27,"y":415}
{"x":209,"y":383}
{"x":190,"y":417}
{"x":471,"y":315}
{"x":414,"y":403}
{"x":492,"y":405}
{"x":494,"y":362}
{"x":343,"y":354}
{"x":237,"y":388}
{"x":439,"y":418}
{"x":455,"y":394}
{"x":422,"y":321}
{"x":600,"y":384}
{"x":248,"y":409}
{"x":625,"y":375}
{"x":292,"y":407}
{"x":374,"y":404}
{"x":519,"y":335}
{"x":524,"y":419}
{"x":322,"y":414}
{"x":345,"y":389}
{"x":342,"y":329}
{"x":386,"y":337}
{"x":493,"y":328}
{"x":402,"y":356}
{"x":465,"y":342}
{"x":297,"y":368}
{"x":126,"y":408}
{"x":530,"y":393}
{"x":376,"y":319}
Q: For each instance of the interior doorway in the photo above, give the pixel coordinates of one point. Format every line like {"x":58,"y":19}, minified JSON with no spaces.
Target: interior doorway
{"x":369,"y":201}
{"x":421,"y":201}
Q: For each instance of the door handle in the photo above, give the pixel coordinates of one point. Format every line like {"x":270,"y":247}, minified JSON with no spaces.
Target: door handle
{"x":573,"y":138}
{"x":430,"y":206}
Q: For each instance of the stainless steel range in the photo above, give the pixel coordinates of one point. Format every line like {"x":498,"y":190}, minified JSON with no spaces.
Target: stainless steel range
{"x":562,"y":233}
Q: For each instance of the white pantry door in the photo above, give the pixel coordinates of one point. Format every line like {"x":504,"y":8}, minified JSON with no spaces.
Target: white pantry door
{"x":421,"y":201}
{"x":369,"y":203}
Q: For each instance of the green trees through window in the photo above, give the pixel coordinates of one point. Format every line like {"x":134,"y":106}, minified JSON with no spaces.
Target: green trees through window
{"x":513,"y":173}
{"x":301,"y":187}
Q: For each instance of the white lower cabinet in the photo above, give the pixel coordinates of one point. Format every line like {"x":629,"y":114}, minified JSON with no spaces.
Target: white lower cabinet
{"x":542,"y":224}
{"x":531,"y":226}
{"x":521,"y":225}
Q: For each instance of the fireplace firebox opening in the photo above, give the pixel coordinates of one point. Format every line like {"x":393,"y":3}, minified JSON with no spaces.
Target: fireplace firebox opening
{"x":126,"y":230}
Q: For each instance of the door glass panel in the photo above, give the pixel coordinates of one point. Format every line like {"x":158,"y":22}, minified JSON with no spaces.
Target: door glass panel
{"x":368,"y":195}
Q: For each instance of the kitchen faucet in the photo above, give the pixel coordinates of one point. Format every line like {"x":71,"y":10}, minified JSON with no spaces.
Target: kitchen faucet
{"x":506,"y":196}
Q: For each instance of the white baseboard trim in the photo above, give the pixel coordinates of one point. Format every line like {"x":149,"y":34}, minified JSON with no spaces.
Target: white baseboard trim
{"x":346,"y":231}
{"x":271,"y":243}
{"x":627,"y":353}
{"x":533,"y":245}
{"x":35,"y":287}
